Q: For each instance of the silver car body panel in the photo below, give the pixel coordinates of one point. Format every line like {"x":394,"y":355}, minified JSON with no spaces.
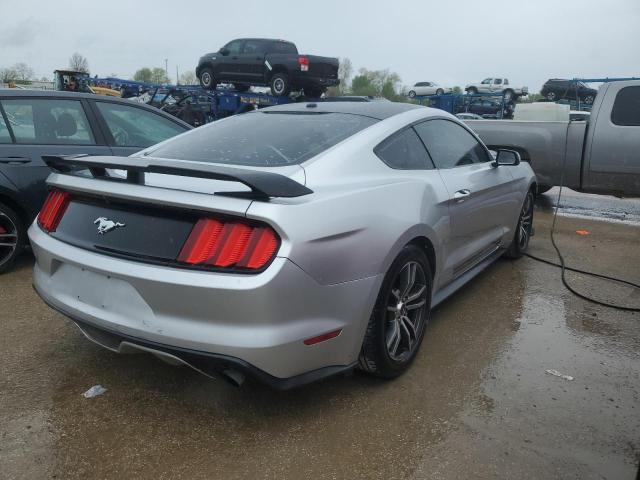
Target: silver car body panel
{"x":336,"y":246}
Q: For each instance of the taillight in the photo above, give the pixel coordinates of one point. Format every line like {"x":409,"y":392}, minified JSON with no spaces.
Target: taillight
{"x":304,"y":63}
{"x":229,"y":244}
{"x":53,"y":209}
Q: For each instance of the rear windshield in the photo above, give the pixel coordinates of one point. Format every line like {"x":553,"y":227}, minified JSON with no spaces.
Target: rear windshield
{"x":264,"y":139}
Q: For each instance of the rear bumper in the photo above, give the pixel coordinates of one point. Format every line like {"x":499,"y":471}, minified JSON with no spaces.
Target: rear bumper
{"x":210,"y":364}
{"x":257,"y":322}
{"x":302,"y":80}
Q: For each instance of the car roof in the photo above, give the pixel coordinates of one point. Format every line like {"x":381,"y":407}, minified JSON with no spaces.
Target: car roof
{"x":261,"y":39}
{"x":377,"y":110}
{"x":19,"y":93}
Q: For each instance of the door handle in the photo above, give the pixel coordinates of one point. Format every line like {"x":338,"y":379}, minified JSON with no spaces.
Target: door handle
{"x":14,"y":160}
{"x":460,"y":195}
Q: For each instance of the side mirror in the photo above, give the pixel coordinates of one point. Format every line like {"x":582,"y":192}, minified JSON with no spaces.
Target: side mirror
{"x":224,"y":51}
{"x":507,"y":157}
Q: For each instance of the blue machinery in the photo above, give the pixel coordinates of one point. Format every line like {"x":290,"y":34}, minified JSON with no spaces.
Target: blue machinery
{"x":459,"y":103}
{"x":214,"y":104}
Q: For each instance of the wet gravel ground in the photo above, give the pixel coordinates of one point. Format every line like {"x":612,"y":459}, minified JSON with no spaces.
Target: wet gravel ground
{"x":476,"y":403}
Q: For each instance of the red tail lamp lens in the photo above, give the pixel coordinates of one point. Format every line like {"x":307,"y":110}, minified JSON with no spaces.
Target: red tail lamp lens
{"x":53,"y":209}
{"x":231,"y":244}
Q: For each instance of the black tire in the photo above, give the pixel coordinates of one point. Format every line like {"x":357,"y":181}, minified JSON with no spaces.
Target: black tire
{"x":207,"y":79}
{"x":544,"y":188}
{"x":588,"y":99}
{"x":280,"y":85}
{"x":241,"y":88}
{"x":412,"y":94}
{"x":524,"y":228}
{"x":13,"y":236}
{"x":508,"y":94}
{"x":439,"y":91}
{"x":551,"y":96}
{"x":472,"y":90}
{"x":390,"y":311}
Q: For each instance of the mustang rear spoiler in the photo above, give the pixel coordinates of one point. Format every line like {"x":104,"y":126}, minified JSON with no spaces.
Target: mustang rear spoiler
{"x":262,"y":184}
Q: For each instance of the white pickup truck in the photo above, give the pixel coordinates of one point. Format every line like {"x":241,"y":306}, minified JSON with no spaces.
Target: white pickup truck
{"x":598,"y":155}
{"x":496,"y":85}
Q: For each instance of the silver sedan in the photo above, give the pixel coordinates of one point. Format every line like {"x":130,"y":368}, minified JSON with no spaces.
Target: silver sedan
{"x":290,"y":243}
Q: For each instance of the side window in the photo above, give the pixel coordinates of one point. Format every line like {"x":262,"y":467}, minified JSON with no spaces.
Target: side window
{"x":486,"y":81}
{"x":253,"y":47}
{"x":136,"y":127}
{"x":450,"y":145}
{"x":404,"y":151}
{"x":626,"y":108}
{"x":506,"y":82}
{"x":234,"y":47}
{"x":5,"y":136}
{"x":48,"y":121}
{"x":498,"y":81}
{"x":283,"y":47}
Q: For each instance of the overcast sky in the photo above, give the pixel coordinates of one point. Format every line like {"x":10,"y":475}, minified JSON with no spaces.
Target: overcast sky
{"x":447,"y":41}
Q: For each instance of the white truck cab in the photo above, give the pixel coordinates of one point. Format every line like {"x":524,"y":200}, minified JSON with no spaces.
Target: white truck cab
{"x":496,"y":85}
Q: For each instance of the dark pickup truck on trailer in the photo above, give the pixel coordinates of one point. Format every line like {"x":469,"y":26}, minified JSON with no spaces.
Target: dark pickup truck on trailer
{"x":261,"y":62}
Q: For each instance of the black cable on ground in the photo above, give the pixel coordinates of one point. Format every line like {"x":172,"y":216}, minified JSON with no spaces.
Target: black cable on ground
{"x":562,"y":262}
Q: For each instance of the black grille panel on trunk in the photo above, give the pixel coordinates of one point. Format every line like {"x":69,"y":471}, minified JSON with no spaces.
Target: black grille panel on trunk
{"x":131,"y":230}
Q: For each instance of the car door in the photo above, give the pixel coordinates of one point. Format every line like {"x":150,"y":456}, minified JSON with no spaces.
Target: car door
{"x":485,"y":85}
{"x":42,"y":126}
{"x":496,"y":85}
{"x":612,"y":147}
{"x":229,"y":63}
{"x":129,"y":128}
{"x":251,"y":61}
{"x":483,"y":200}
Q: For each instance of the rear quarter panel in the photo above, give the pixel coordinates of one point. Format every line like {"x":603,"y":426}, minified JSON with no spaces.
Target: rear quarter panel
{"x":362,"y":212}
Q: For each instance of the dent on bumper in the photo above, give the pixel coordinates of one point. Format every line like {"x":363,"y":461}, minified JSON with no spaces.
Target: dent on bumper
{"x":261,"y":319}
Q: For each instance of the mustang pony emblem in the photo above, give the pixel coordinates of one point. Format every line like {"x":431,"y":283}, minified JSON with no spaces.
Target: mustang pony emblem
{"x":105,"y":225}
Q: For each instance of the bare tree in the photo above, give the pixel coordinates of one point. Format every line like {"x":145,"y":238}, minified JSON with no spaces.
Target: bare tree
{"x":23,"y":71}
{"x":345,"y":70}
{"x":188,"y":78}
{"x":8,"y":74}
{"x":79,"y":63}
{"x":159,"y":75}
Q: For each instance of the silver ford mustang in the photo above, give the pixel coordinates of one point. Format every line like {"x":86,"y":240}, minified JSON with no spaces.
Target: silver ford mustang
{"x":290,"y":243}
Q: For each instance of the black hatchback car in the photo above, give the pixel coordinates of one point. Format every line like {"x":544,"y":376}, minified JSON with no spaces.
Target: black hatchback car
{"x":36,"y":123}
{"x":562,"y":89}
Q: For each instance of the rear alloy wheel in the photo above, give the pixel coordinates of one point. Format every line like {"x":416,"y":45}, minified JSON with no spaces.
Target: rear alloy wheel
{"x":551,"y":96}
{"x":280,"y":84}
{"x":412,"y":94}
{"x":522,"y":236}
{"x":12,"y":237}
{"x":588,"y":99}
{"x":439,"y":91}
{"x":401,"y":314}
{"x":207,"y":79}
